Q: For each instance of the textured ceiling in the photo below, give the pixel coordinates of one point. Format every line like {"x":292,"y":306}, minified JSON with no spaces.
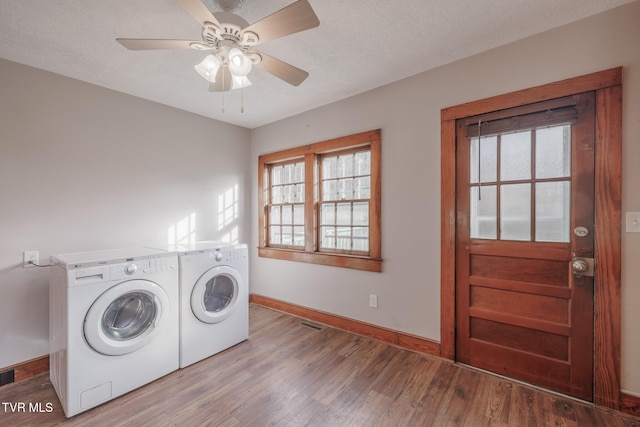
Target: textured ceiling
{"x":359,"y":45}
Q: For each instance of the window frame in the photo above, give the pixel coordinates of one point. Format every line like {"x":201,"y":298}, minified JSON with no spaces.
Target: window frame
{"x":311,"y":252}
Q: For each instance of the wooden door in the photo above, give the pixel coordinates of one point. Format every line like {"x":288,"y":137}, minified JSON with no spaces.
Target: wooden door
{"x":525,"y":209}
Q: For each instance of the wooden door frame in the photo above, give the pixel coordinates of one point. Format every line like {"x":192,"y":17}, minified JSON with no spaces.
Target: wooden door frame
{"x":608,"y":193}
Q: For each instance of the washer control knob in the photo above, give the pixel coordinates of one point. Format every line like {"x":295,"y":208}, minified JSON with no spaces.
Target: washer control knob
{"x":219,"y":256}
{"x":130,"y":268}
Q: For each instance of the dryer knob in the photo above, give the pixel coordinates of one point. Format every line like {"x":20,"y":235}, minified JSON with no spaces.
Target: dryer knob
{"x":219,"y":256}
{"x":130,"y":268}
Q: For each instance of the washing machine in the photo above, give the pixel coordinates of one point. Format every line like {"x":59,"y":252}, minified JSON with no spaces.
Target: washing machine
{"x":214,"y":299}
{"x":113,"y":323}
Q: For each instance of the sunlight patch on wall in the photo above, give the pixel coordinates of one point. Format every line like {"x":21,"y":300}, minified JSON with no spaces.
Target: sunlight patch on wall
{"x":228,"y":213}
{"x":183,"y":232}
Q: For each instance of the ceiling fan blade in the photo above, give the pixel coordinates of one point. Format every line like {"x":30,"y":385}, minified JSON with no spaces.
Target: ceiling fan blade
{"x":199,"y":12}
{"x":294,"y":18}
{"x":150,"y":44}
{"x":222,"y":84}
{"x":280,"y":69}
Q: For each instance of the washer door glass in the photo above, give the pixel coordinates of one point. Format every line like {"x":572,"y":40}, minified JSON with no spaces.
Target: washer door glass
{"x":126,"y":317}
{"x":214,"y":294}
{"x":129,"y":316}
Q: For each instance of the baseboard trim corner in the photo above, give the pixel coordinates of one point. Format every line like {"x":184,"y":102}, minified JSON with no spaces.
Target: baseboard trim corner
{"x":389,"y":336}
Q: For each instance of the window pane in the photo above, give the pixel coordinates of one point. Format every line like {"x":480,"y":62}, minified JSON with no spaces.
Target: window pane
{"x":327,"y":237}
{"x":552,"y":211}
{"x":515,"y":212}
{"x":361,"y":239}
{"x":343,"y":238}
{"x":484,"y":212}
{"x":345,"y":165}
{"x":329,"y":190}
{"x":299,"y":172}
{"x":361,"y":214}
{"x":300,"y":193}
{"x":362,"y":188}
{"x":515,"y":156}
{"x":298,"y":236}
{"x":276,"y":175}
{"x":344,"y":214}
{"x":329,"y":167}
{"x":287,"y":235}
{"x":288,"y":176}
{"x":274,"y":217}
{"x":488,"y":153}
{"x":277,"y":195}
{"x":275,"y":236}
{"x":286,"y":214}
{"x":328,"y":214}
{"x":363,"y":163}
{"x":553,"y":152}
{"x":298,"y":214}
{"x":345,"y":189}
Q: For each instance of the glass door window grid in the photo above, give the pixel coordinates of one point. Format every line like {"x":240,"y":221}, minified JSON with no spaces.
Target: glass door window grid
{"x":521,"y":182}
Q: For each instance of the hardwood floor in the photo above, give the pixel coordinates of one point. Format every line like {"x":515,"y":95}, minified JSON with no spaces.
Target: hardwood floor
{"x":288,"y":374}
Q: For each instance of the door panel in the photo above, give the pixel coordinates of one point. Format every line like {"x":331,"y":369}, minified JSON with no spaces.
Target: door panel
{"x":520,"y":309}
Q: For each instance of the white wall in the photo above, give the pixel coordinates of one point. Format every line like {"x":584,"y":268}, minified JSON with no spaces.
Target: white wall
{"x":408,"y":112}
{"x":86,"y":168}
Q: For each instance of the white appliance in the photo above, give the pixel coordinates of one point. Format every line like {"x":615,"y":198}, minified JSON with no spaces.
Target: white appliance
{"x":214,"y":299}
{"x":113,"y":323}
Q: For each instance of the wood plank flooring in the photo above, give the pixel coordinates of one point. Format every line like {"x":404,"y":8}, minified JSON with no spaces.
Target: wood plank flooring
{"x":288,"y":374}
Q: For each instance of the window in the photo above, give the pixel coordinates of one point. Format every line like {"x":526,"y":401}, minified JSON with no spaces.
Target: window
{"x":321,"y":203}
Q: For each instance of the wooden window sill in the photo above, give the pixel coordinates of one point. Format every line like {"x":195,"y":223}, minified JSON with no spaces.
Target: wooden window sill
{"x":322,"y":258}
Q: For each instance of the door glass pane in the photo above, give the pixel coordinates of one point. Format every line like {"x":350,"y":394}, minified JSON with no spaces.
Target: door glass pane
{"x":128,"y":316}
{"x":515,"y":156}
{"x":515,"y":212}
{"x":552,"y":211}
{"x":484,"y":212}
{"x":553,"y":152}
{"x":488,"y":153}
{"x":218,"y":293}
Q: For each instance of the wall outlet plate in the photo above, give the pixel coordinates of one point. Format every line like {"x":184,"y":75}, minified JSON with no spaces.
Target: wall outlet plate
{"x":633,"y":222}
{"x":30,"y":256}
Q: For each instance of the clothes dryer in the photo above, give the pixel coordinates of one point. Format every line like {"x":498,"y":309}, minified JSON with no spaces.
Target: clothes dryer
{"x":113,"y":323}
{"x":214,"y":299}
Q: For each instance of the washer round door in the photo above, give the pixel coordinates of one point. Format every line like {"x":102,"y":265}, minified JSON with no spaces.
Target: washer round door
{"x":126,"y":317}
{"x":215,"y":293}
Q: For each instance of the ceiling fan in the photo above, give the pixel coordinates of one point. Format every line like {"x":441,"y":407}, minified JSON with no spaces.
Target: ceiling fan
{"x":231,"y":41}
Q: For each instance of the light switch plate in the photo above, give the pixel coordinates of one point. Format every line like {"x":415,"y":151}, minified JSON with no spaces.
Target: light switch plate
{"x":633,"y":222}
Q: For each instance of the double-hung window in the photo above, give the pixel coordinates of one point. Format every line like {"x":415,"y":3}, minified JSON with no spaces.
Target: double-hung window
{"x":320,"y":203}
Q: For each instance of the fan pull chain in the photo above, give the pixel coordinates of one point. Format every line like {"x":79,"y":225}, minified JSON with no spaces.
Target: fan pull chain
{"x":223,"y":73}
{"x":242,"y":99}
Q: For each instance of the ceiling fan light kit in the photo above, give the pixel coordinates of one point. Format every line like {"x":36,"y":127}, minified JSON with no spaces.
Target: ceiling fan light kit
{"x":230,"y":40}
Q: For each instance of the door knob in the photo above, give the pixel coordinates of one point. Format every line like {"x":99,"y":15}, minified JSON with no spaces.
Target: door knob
{"x":582,"y":267}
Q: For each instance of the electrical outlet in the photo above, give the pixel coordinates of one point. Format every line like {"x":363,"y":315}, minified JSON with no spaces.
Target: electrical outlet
{"x":373,"y":301}
{"x":29,"y":257}
{"x":633,"y":222}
